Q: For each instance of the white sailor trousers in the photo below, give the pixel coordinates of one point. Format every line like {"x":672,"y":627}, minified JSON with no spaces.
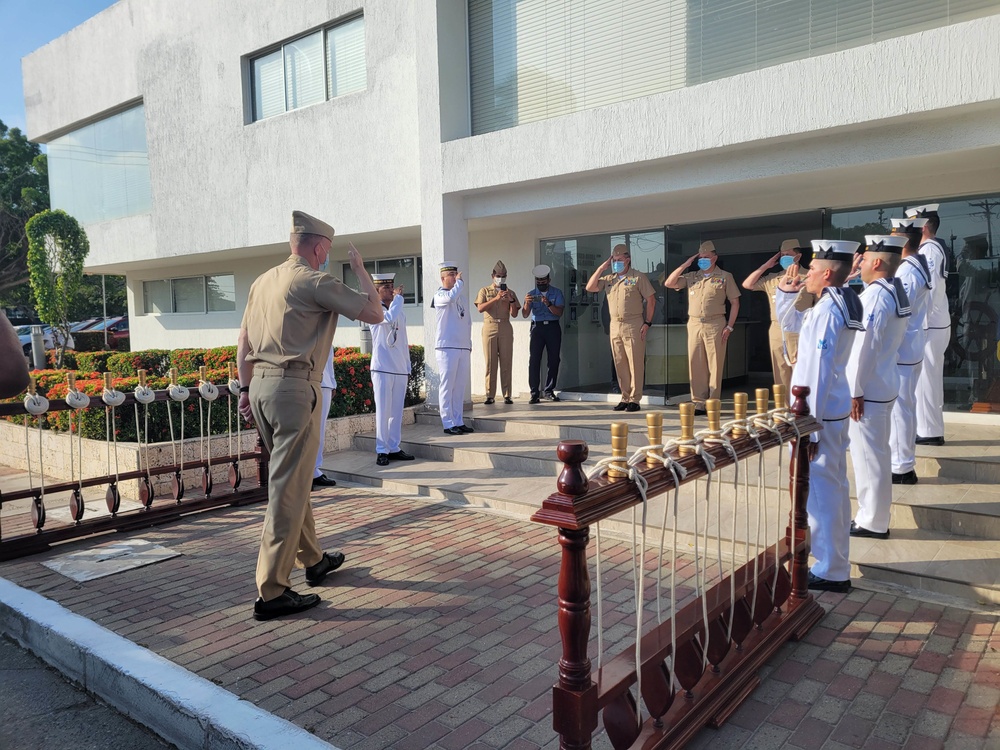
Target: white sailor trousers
{"x":872,"y":461}
{"x":903,"y":437}
{"x":829,"y":504}
{"x":324,"y":412}
{"x":453,"y":367}
{"x":390,"y":395}
{"x":930,"y":386}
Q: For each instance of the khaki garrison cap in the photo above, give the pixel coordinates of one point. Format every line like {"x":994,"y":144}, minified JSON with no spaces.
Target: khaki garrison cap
{"x":790,"y":245}
{"x":303,"y":223}
{"x":499,"y":269}
{"x":707,"y":247}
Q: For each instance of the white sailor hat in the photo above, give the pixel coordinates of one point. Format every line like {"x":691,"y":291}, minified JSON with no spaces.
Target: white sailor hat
{"x":448,"y":265}
{"x":541,"y":271}
{"x":383,"y":278}
{"x":885,"y":243}
{"x":901,"y":225}
{"x":923,"y":211}
{"x":839,"y":250}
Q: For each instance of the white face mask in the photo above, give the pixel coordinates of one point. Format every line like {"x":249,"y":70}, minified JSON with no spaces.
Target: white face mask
{"x":499,"y":280}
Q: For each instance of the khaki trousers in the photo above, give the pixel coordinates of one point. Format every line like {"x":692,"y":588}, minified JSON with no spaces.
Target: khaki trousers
{"x":629,"y":353}
{"x":706,"y":358}
{"x":287,"y":414}
{"x":498,"y":348}
{"x":782,"y":370}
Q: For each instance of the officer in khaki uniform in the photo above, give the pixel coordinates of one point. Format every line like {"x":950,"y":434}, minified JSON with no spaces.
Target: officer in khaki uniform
{"x":784,"y":347}
{"x":498,"y":304}
{"x":631,"y":300}
{"x":287,"y":331}
{"x":708,"y":331}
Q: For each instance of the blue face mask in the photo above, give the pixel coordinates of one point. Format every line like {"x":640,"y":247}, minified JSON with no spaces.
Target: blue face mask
{"x":618,"y":266}
{"x":787,"y":261}
{"x":704,"y":264}
{"x":325,"y":265}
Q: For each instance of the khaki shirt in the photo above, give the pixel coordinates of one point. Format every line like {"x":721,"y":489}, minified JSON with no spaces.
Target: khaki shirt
{"x":626,"y":296}
{"x":707,"y":294}
{"x":291,"y":315}
{"x":496,"y":313}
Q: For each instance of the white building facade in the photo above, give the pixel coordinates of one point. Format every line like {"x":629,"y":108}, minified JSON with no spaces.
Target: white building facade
{"x":183,"y":134}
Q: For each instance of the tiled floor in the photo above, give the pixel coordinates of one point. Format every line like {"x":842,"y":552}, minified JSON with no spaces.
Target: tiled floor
{"x":440,"y":632}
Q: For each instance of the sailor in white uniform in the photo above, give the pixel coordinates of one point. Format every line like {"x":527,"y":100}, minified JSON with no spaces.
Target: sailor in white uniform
{"x":930,"y":386}
{"x":453,"y":347}
{"x":826,"y":333}
{"x":390,"y":371}
{"x":874,"y":380}
{"x":327,"y":386}
{"x":915,"y":275}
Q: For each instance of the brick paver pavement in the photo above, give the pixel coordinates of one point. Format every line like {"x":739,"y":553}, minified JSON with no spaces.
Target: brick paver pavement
{"x":440,"y":632}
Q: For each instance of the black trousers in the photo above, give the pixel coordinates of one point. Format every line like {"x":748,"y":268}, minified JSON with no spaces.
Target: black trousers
{"x":547,"y":337}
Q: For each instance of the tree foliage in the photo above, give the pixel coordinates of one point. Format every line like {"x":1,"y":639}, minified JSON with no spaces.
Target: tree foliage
{"x":57,"y":248}
{"x":24,"y":191}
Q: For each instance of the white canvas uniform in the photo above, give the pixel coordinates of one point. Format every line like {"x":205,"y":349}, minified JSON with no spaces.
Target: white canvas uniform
{"x":930,"y":386}
{"x":915,"y":277}
{"x":874,"y":376}
{"x":453,"y":348}
{"x":390,"y":374}
{"x":826,"y":333}
{"x":327,"y":387}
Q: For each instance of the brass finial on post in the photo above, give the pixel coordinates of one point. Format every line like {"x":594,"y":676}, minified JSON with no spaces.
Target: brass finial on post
{"x":71,"y":380}
{"x":107,"y":382}
{"x":232,"y":370}
{"x":713,"y":408}
{"x":780,"y":398}
{"x":687,"y":427}
{"x":763,"y":396}
{"x":142,"y":378}
{"x":173,"y":376}
{"x":739,"y":413}
{"x":654,"y":431}
{"x":619,"y":450}
{"x":203,"y":373}
{"x":32,"y":385}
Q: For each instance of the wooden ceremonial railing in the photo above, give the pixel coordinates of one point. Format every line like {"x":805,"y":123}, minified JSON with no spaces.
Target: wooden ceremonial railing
{"x":772,"y":603}
{"x":154,"y":509}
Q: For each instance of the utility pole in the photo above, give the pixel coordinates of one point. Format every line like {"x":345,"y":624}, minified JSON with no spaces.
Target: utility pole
{"x":988,"y":207}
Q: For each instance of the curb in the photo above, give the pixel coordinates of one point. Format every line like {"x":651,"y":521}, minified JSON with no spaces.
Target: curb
{"x":182,"y":708}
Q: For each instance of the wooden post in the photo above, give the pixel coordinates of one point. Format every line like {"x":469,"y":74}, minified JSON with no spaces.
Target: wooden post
{"x":798,"y":487}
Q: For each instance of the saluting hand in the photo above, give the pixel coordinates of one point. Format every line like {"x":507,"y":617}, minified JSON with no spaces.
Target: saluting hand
{"x":773,"y":261}
{"x":398,"y":291}
{"x":355,"y":259}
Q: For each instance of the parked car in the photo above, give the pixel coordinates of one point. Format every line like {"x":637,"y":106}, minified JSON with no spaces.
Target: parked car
{"x":50,"y":338}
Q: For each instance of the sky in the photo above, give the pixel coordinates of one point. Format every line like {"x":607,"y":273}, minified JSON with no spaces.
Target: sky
{"x":26,"y":25}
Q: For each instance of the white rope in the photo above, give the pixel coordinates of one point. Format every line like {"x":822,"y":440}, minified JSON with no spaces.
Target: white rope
{"x":113,"y":399}
{"x":180,"y":394}
{"x":789,"y":418}
{"x":755,"y":436}
{"x":209,"y":393}
{"x":724,"y":441}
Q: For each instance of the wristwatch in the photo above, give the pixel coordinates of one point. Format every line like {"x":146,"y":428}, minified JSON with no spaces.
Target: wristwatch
{"x":728,"y":328}
{"x":647,"y":323}
{"x":244,"y":389}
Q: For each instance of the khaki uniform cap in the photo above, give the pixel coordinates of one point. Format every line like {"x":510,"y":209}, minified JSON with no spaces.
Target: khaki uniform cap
{"x":499,"y":269}
{"x":303,"y":223}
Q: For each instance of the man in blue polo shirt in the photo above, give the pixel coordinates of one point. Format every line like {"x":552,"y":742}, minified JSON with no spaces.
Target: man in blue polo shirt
{"x":545,"y":305}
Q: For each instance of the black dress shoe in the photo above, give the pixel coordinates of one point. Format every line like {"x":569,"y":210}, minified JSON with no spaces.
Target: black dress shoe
{"x":287,"y":604}
{"x":466,"y":430}
{"x":861,"y":531}
{"x":907,"y":477}
{"x":383,"y":459}
{"x":821,"y":584}
{"x":326,"y":565}
{"x":622,"y":406}
{"x":535,"y":400}
{"x":323,"y":481}
{"x":700,"y":409}
{"x":939,"y":440}
{"x":552,"y":397}
{"x":488,"y":402}
{"x":632,"y":406}
{"x":453,"y":431}
{"x":508,"y":400}
{"x":400,"y":456}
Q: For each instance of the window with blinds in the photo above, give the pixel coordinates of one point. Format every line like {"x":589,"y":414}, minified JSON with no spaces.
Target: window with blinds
{"x":535,"y":59}
{"x":310,"y":69}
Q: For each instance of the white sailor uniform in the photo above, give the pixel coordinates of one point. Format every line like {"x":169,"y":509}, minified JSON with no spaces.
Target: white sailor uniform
{"x":826,"y":333}
{"x":390,"y":374}
{"x":930,"y":386}
{"x":873,"y":375}
{"x":453,"y":348}
{"x":327,"y":387}
{"x":915,"y":277}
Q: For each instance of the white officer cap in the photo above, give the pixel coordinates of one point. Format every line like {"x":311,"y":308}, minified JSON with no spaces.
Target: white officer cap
{"x":923,"y":211}
{"x":839,"y":250}
{"x":901,"y":225}
{"x":885,"y":243}
{"x":541,"y":271}
{"x":383,"y":278}
{"x":448,"y":265}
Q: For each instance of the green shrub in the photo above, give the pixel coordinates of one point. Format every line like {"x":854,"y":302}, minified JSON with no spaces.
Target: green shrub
{"x":89,"y":341}
{"x":127,"y":364}
{"x":187,"y":360}
{"x":220,"y":357}
{"x":93,"y":361}
{"x":417,"y":376}
{"x":69,"y":359}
